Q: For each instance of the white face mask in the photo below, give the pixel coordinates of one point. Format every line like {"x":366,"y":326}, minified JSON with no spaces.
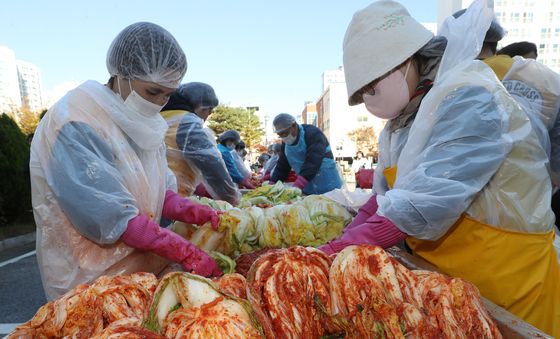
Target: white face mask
{"x":137,"y":103}
{"x":140,"y":120}
{"x":391,"y":95}
{"x":289,"y":140}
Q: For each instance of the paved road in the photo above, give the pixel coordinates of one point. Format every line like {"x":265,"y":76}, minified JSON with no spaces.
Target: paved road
{"x":21,"y":292}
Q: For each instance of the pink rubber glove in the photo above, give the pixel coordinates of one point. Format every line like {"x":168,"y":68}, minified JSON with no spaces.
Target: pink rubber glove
{"x":201,"y":191}
{"x":300,"y":182}
{"x":266,"y":177}
{"x":366,"y":211}
{"x":176,"y":207}
{"x":146,"y":235}
{"x":377,"y":230}
{"x":247,"y":184}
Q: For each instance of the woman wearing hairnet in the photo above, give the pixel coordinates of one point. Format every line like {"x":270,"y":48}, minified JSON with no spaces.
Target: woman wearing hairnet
{"x":462,"y":175}
{"x":100,"y":181}
{"x":192,"y":151}
{"x":306,"y":150}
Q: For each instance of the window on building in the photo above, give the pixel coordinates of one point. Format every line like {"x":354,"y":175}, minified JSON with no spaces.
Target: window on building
{"x":557,"y":32}
{"x":362,"y":118}
{"x":545,"y":33}
{"x":541,"y":48}
{"x":555,"y":48}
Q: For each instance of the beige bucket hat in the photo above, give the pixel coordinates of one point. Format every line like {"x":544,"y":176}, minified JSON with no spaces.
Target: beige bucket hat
{"x":379,"y":38}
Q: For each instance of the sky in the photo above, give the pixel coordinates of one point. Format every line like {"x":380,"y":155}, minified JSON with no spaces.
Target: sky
{"x":254,"y":53}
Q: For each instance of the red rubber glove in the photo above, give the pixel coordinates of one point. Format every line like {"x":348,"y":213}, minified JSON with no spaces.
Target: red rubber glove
{"x":366,"y":211}
{"x":176,"y":207}
{"x":300,"y":182}
{"x":247,"y":183}
{"x":146,"y":235}
{"x":377,"y":230}
{"x":292,"y":176}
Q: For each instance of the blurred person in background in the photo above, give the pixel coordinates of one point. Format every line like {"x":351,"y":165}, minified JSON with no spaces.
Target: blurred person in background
{"x":536,"y":88}
{"x":239,"y":157}
{"x":526,"y":49}
{"x":227,"y":143}
{"x":274,"y":151}
{"x":192,"y":150}
{"x":305,"y":149}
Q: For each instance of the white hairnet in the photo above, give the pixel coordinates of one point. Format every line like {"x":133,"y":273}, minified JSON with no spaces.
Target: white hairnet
{"x":148,"y":52}
{"x":282,"y":122}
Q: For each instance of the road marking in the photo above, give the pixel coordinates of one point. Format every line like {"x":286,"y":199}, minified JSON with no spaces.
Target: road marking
{"x":7,"y":328}
{"x":16,"y":259}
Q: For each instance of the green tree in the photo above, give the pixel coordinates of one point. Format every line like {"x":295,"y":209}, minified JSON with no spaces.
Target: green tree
{"x":15,"y":188}
{"x":240,"y":119}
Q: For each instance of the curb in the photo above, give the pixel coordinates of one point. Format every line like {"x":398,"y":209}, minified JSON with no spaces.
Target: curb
{"x":17,"y":241}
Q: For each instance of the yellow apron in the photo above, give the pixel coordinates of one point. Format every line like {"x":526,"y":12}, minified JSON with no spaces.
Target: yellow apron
{"x":172,"y":113}
{"x":517,"y":271}
{"x":500,"y":64}
{"x":185,"y":174}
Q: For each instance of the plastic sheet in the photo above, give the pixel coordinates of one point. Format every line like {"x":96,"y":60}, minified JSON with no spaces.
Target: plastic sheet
{"x":537,"y":89}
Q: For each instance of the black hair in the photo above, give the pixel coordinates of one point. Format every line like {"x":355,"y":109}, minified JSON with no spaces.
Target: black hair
{"x":432,"y":49}
{"x":519,"y":48}
{"x":493,"y":46}
{"x":240,"y":146}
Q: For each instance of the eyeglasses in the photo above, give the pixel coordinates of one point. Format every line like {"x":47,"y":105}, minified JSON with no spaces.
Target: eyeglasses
{"x":285,"y":132}
{"x":370,"y":88}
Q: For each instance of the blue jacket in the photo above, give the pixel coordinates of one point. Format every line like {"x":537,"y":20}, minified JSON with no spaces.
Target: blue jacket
{"x":317,"y":146}
{"x":230,"y":164}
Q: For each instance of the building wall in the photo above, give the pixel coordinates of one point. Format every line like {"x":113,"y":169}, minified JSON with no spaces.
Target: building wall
{"x":333,"y":77}
{"x":30,"y":86}
{"x":537,"y":21}
{"x":20,"y":84}
{"x":10,"y":98}
{"x":337,"y":119}
{"x":309,"y":114}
